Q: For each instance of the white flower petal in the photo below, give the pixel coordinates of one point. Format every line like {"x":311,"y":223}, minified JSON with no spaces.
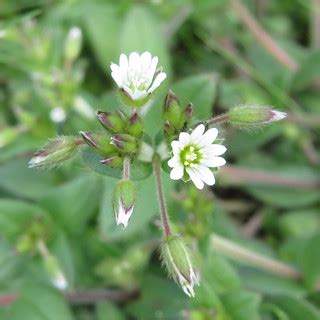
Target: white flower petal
{"x":134,"y":60}
{"x":117,"y":78}
{"x":152,"y":69}
{"x":215,"y":149}
{"x":208,"y":137}
{"x":206,"y":175}
{"x":195,"y":177}
{"x":174,"y":162}
{"x":197,"y":132}
{"x":176,"y":173}
{"x":145,"y":60}
{"x":124,"y":64}
{"x":138,"y":95}
{"x":175,"y":145}
{"x":213,"y":162}
{"x":157,"y":81}
{"x":184,"y":139}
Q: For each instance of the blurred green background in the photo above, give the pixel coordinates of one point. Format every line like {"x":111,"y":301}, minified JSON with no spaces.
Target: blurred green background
{"x":267,"y":199}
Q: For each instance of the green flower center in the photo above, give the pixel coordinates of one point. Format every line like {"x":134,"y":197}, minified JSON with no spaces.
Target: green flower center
{"x":190,"y":156}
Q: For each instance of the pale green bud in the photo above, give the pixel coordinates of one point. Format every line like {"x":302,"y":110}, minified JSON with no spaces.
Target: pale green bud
{"x":73,"y":44}
{"x":176,"y":258}
{"x":99,"y":142}
{"x":55,"y":272}
{"x":124,"y":198}
{"x":125,"y":143}
{"x":55,"y":152}
{"x":172,"y":110}
{"x":248,"y":116}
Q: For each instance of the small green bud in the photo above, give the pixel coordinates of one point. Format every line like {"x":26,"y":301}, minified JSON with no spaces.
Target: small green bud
{"x":7,"y":136}
{"x":113,"y":161}
{"x":172,"y":110}
{"x":248,"y":116}
{"x":125,"y":143}
{"x":169,"y":129}
{"x":55,"y":152}
{"x":55,"y":272}
{"x":124,"y":198}
{"x":73,"y":44}
{"x":135,"y":125}
{"x":99,"y":141}
{"x":176,"y":258}
{"x":187,"y":115}
{"x":113,"y":122}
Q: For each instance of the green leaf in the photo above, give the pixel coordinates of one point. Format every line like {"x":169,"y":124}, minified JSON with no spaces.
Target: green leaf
{"x":40,"y":303}
{"x":107,"y":310}
{"x":200,"y":90}
{"x":139,"y":170}
{"x":102,"y":25}
{"x":72,"y":204}
{"x":18,"y":179}
{"x":141,"y":32}
{"x":16,"y":215}
{"x":310,"y":260}
{"x":160,"y":299}
{"x":296,"y":308}
{"x":241,"y":305}
{"x":308,"y":71}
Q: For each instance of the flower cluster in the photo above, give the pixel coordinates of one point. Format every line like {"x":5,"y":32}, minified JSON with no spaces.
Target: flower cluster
{"x":194,"y":151}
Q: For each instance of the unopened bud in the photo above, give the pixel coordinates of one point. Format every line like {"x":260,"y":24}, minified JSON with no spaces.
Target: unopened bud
{"x":114,"y":161}
{"x":125,"y":143}
{"x":73,"y":44}
{"x":253,"y":116}
{"x":135,"y":125}
{"x":124,"y":198}
{"x":99,"y":141}
{"x":176,"y":258}
{"x":172,"y":110}
{"x":113,"y":122}
{"x":55,"y":152}
{"x":55,"y":272}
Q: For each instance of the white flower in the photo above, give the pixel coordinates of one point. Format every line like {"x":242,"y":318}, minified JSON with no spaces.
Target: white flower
{"x":194,"y":154}
{"x":58,"y":115}
{"x":123,"y":214}
{"x":137,"y":76}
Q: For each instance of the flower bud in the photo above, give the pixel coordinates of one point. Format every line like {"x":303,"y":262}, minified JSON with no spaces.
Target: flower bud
{"x":113,"y":122}
{"x":99,"y":141}
{"x":253,"y":116}
{"x":114,"y":161}
{"x":73,"y":44}
{"x":172,"y":110}
{"x":125,"y":143}
{"x":54,"y":270}
{"x":124,"y":198}
{"x":135,"y":125}
{"x":175,"y":257}
{"x":55,"y":152}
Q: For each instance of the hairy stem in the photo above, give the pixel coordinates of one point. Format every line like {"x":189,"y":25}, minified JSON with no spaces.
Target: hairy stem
{"x":238,"y":253}
{"x":217,"y":120}
{"x":156,"y":162}
{"x":126,"y":168}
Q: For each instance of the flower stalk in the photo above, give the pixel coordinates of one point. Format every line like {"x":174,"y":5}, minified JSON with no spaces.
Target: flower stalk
{"x":156,"y":162}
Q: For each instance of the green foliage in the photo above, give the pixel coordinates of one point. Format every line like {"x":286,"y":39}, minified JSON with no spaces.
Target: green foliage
{"x":268,"y":198}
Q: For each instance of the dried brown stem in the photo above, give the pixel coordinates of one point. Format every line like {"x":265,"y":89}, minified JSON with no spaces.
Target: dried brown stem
{"x":263,"y":37}
{"x":253,"y":176}
{"x":84,"y":297}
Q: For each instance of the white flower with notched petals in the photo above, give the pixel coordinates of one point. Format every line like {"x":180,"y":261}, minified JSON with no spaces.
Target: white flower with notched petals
{"x":194,"y":154}
{"x":137,"y":75}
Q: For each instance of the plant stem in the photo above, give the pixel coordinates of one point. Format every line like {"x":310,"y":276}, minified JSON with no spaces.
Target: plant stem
{"x":255,"y":176}
{"x":84,"y":297}
{"x":238,"y":253}
{"x":126,"y":168}
{"x":263,"y":37}
{"x":217,"y":120}
{"x":156,"y":162}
